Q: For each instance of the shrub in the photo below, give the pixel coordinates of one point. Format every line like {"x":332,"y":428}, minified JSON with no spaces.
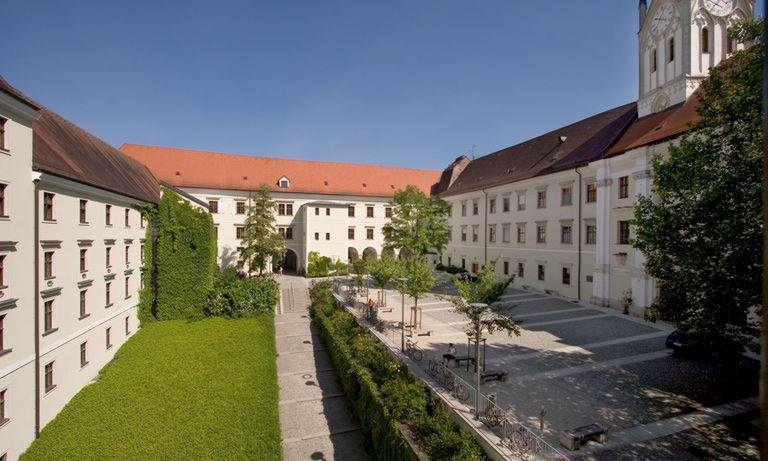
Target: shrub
{"x":323,"y":266}
{"x":383,"y":393}
{"x":233,"y":296}
{"x":454,"y":270}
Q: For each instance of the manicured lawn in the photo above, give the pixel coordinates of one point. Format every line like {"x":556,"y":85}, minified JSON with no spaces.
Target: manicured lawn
{"x":177,"y":390}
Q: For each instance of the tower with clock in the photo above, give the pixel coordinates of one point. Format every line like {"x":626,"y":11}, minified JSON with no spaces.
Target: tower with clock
{"x":679,"y":41}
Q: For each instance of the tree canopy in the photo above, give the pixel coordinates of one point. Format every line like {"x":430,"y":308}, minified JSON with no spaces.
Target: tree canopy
{"x":261,"y":241}
{"x":418,"y":222}
{"x":701,"y":229}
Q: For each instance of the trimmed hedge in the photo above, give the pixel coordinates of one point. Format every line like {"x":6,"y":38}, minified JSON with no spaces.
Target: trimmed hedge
{"x":233,"y":296}
{"x":384,"y":395}
{"x":180,"y":254}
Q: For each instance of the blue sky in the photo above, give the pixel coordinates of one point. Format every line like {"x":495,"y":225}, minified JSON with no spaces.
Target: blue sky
{"x":395,"y":82}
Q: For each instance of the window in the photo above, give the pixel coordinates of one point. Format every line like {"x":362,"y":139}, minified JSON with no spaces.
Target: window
{"x":127,"y":326}
{"x":351,"y":233}
{"x":591,"y":234}
{"x":492,"y":206}
{"x":541,"y":233}
{"x":541,"y":199}
{"x":286,"y":232}
{"x":48,"y":316}
{"x":143,"y":221}
{"x":216,"y":231}
{"x":505,"y":204}
{"x":450,"y":233}
{"x":731,"y":42}
{"x":327,"y":211}
{"x":566,"y":276}
{"x":127,"y":217}
{"x":284,"y":183}
{"x":520,"y":201}
{"x":492,"y":233}
{"x":108,"y":215}
{"x":475,"y":232}
{"x":49,"y":385}
{"x":369,"y":211}
{"x":463,"y":233}
{"x":127,"y":285}
{"x":475,"y":268}
{"x":239,"y":232}
{"x":327,"y":235}
{"x":285,"y":209}
{"x":2,"y":199}
{"x":671,"y":49}
{"x":213,"y":206}
{"x":108,"y":294}
{"x":505,"y":232}
{"x":351,"y":211}
{"x":566,"y":196}
{"x":48,"y":206}
{"x":654,"y":60}
{"x":541,"y":272}
{"x":521,"y":270}
{"x":141,"y":252}
{"x":623,"y":232}
{"x":2,"y":270}
{"x":521,"y":233}
{"x":705,"y":40}
{"x":475,"y":207}
{"x":317,"y":235}
{"x":48,"y":264}
{"x":240,"y":207}
{"x":591,"y":192}
{"x":3,"y":418}
{"x":463,"y":263}
{"x":369,"y":233}
{"x":624,"y":187}
{"x":388,"y":212}
{"x":566,"y":234}
{"x":127,"y":254}
{"x":317,"y":211}
{"x":2,"y":136}
{"x":83,"y":211}
{"x":83,"y":355}
{"x":463,"y":208}
{"x":2,"y":336}
{"x":108,"y":334}
{"x":108,"y":258}
{"x":83,"y":306}
{"x":83,"y":267}
{"x":506,"y":268}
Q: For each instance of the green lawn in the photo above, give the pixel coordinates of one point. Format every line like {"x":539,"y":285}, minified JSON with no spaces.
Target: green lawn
{"x":177,"y":390}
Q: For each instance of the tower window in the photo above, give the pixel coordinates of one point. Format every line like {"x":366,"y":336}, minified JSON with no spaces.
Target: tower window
{"x":705,"y":40}
{"x":671,"y":50}
{"x":654,"y":60}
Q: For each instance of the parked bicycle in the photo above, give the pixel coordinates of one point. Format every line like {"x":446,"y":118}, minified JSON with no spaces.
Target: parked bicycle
{"x":494,"y":416}
{"x":413,"y":350}
{"x":434,"y":367}
{"x":462,"y":392}
{"x":522,"y":442}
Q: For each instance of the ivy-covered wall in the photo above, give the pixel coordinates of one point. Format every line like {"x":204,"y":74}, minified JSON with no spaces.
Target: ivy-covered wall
{"x":179,"y":260}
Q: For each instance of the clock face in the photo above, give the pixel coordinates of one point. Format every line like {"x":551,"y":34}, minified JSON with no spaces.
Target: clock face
{"x":719,"y":7}
{"x":663,"y":18}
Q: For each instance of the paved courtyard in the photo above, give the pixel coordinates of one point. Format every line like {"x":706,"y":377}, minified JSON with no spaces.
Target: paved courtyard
{"x":585,"y":364}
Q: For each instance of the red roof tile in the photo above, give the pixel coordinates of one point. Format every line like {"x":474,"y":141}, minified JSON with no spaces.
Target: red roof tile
{"x":214,"y":170}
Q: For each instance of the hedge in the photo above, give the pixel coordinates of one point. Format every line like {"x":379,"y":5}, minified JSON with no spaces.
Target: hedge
{"x":234,"y":296}
{"x":384,"y":395}
{"x":180,"y":260}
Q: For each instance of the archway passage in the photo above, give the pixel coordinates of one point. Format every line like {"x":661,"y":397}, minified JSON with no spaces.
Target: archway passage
{"x":352,"y":255}
{"x":369,"y":253}
{"x":404,"y":253}
{"x":290,"y":261}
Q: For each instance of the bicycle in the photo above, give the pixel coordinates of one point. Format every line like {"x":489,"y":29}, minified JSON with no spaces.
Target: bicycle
{"x":462,"y":392}
{"x":434,"y":367}
{"x":522,"y":441}
{"x":448,"y":381}
{"x":413,"y":351}
{"x":494,"y":416}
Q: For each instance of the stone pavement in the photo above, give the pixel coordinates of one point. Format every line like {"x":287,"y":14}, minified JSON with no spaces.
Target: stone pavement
{"x":585,"y":364}
{"x":315,"y":421}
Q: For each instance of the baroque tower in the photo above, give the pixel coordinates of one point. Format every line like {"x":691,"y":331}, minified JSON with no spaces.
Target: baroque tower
{"x":679,"y":41}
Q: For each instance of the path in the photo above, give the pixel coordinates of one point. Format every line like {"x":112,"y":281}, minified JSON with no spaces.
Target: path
{"x":315,"y":421}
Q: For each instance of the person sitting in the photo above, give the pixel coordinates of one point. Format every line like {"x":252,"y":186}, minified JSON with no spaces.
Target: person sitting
{"x":451,"y":355}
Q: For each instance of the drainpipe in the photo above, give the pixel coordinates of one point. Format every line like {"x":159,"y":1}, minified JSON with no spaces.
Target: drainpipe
{"x":36,"y":238}
{"x":578,"y":226}
{"x":485,"y":228}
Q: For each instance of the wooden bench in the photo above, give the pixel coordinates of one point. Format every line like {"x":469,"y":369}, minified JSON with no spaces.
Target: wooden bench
{"x":574,"y":438}
{"x":494,"y":375}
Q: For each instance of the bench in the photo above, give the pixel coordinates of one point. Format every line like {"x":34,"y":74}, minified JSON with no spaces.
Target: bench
{"x":574,"y":438}
{"x":494,"y":375}
{"x":460,"y":360}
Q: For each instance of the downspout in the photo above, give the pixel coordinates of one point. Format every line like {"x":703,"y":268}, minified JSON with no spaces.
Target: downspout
{"x":578,"y":252}
{"x":36,"y":238}
{"x":485,"y":228}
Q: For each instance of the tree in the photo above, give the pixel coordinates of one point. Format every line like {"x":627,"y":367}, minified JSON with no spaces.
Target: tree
{"x":360,"y":270}
{"x":478,"y":303}
{"x":418,"y":279}
{"x":383,"y":271}
{"x":701,"y":228}
{"x":418,"y":222}
{"x":261,"y":241}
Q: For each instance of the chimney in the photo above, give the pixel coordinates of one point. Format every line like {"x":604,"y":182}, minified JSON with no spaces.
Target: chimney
{"x":643,"y":7}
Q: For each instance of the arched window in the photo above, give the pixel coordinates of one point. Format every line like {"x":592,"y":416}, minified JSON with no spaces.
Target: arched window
{"x":671,"y":50}
{"x":654,"y":60}
{"x":705,"y":40}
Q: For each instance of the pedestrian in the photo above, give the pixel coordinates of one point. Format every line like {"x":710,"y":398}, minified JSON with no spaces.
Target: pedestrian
{"x":280,"y":270}
{"x":451,"y":355}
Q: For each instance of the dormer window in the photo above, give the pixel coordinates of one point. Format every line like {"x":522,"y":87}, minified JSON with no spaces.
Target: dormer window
{"x":284,"y":183}
{"x":705,"y":40}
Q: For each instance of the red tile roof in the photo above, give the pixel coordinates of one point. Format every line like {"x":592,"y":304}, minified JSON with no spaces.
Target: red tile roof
{"x":214,"y":170}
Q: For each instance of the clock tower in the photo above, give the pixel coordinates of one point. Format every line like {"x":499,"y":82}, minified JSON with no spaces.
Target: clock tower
{"x":679,"y":41}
